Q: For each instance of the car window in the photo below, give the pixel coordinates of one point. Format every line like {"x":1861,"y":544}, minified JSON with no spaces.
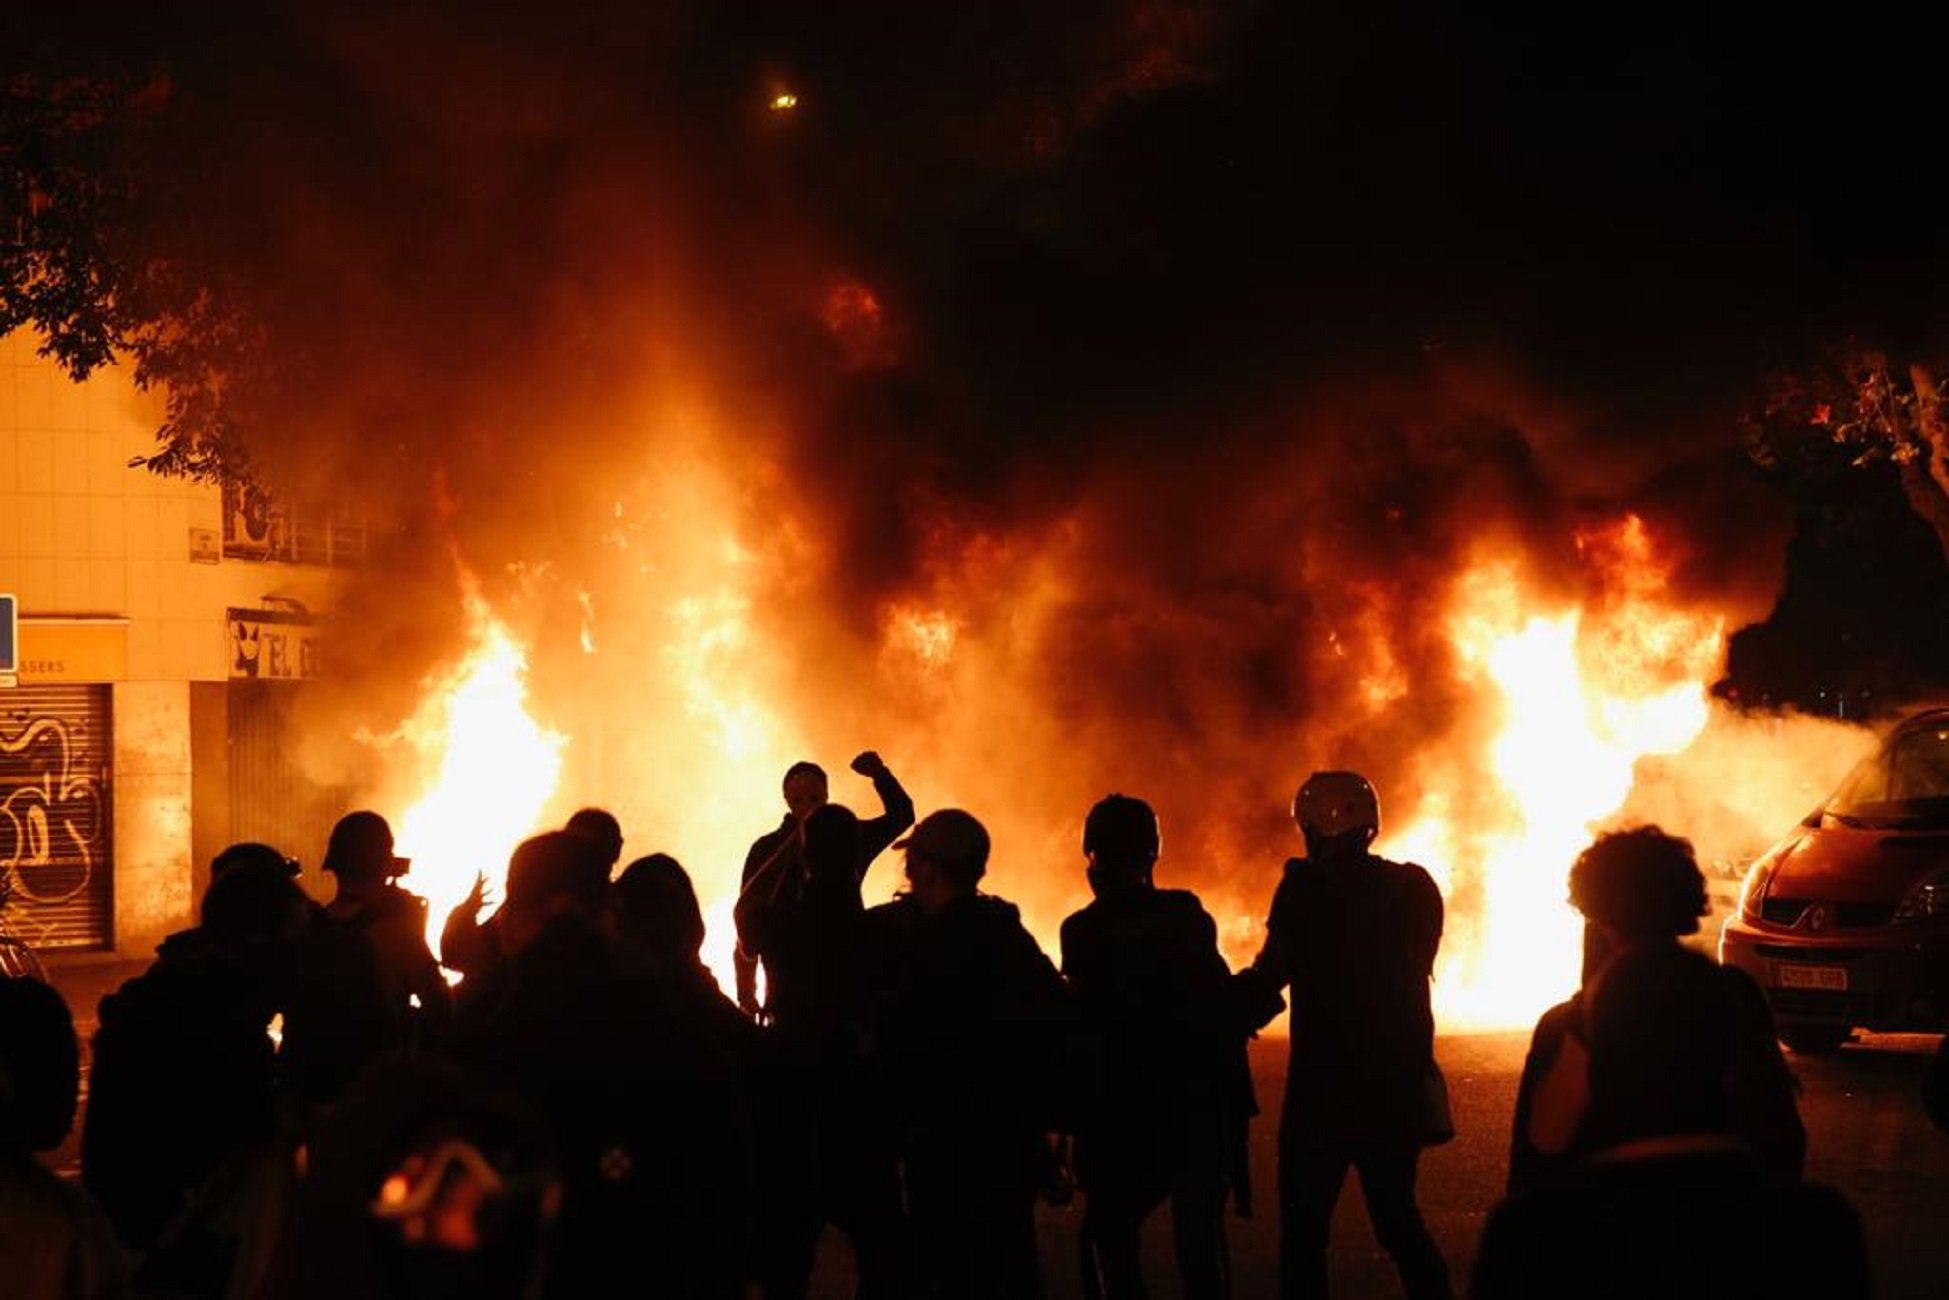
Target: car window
{"x":1906,"y":783}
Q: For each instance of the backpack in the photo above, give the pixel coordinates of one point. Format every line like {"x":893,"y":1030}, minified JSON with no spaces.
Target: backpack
{"x":341,"y":1013}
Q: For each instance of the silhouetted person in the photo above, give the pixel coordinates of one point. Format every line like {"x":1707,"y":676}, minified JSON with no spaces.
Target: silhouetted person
{"x":254,"y":855}
{"x":658,"y":917}
{"x":1354,"y":936}
{"x":54,"y":1242}
{"x":471,"y":945}
{"x":598,"y":828}
{"x":775,"y":866}
{"x":970,"y":1018}
{"x":184,"y":1072}
{"x":365,"y":982}
{"x":1666,"y":1200}
{"x":661,"y":928}
{"x":1154,"y":991}
{"x":810,"y":941}
{"x":808,"y":936}
{"x":1640,"y":888}
{"x":644,"y":1107}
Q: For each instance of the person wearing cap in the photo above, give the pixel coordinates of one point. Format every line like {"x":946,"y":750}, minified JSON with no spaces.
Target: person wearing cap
{"x":775,"y":867}
{"x":1353,"y":936}
{"x":251,"y":854}
{"x":1640,"y":888}
{"x":969,"y":1021}
{"x":366,"y":984}
{"x":1152,"y":990}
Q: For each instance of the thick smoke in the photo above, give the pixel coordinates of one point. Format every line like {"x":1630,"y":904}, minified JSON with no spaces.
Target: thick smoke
{"x":1057,"y":404}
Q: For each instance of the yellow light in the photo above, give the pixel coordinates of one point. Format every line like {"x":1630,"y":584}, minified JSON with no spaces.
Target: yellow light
{"x":1584,"y":691}
{"x":784,"y":102}
{"x":492,"y":769}
{"x":394,"y":1190}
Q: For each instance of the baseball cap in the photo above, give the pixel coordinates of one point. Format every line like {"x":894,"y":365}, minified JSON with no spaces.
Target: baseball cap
{"x":950,"y":837}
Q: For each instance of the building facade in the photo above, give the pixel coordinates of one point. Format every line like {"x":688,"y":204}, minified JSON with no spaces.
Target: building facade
{"x":164,"y":628}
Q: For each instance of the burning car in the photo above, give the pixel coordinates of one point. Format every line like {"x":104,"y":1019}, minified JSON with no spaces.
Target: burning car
{"x":1845,"y":921}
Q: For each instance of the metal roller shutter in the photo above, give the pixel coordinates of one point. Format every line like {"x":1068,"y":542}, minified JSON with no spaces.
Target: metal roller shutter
{"x":272,"y":800}
{"x":56,"y":850}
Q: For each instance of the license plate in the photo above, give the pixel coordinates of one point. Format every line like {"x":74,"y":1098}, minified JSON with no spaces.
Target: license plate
{"x":1810,"y":977}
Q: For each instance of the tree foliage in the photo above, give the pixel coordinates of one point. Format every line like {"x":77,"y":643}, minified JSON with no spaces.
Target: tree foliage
{"x":1855,"y":410}
{"x":94,"y":260}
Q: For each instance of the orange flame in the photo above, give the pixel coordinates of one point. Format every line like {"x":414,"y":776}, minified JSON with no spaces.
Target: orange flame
{"x":1584,"y":694}
{"x":491,"y":769}
{"x":1576,"y":691}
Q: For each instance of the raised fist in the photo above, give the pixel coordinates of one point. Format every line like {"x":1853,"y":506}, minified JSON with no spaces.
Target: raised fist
{"x":869,"y":764}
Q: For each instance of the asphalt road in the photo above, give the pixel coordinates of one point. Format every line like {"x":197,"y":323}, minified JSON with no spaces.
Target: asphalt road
{"x":1866,"y":1136}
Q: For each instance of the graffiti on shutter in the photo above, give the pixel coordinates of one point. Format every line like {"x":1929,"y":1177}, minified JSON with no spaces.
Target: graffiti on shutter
{"x":56,"y":868}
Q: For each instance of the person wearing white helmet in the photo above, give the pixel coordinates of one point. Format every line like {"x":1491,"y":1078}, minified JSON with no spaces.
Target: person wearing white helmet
{"x":1353,"y":936}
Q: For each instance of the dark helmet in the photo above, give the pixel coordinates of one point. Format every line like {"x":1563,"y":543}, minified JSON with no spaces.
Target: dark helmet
{"x":361,"y":848}
{"x":251,"y":856}
{"x":254,"y":903}
{"x":1121,"y":829}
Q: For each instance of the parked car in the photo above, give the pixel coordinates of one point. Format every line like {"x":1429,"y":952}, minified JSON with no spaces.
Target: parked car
{"x":1845,"y":921}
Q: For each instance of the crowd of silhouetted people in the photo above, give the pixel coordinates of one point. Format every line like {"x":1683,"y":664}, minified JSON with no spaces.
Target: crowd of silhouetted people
{"x":294,"y":1101}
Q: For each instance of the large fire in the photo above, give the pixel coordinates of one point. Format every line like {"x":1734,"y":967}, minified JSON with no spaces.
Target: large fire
{"x":491,"y":770}
{"x":1575,"y":690}
{"x":1584,"y":693}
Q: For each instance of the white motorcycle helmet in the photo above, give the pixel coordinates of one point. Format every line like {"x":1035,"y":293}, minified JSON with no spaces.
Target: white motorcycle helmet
{"x":1332,"y":804}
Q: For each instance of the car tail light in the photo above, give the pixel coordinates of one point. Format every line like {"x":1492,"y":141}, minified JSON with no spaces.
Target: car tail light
{"x":1927,"y":900}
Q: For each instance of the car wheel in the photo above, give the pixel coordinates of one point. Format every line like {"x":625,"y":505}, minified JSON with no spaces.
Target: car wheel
{"x":1813,"y":1039}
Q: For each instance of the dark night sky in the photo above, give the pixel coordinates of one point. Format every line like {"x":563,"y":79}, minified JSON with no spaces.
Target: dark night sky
{"x":1647,"y":207}
{"x":1135,"y":205}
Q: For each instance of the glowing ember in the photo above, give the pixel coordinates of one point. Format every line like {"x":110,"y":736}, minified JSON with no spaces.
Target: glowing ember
{"x":492,"y":770}
{"x":783,"y":102}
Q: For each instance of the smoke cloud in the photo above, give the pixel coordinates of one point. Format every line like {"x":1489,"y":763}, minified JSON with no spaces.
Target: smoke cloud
{"x":1058,"y":404}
